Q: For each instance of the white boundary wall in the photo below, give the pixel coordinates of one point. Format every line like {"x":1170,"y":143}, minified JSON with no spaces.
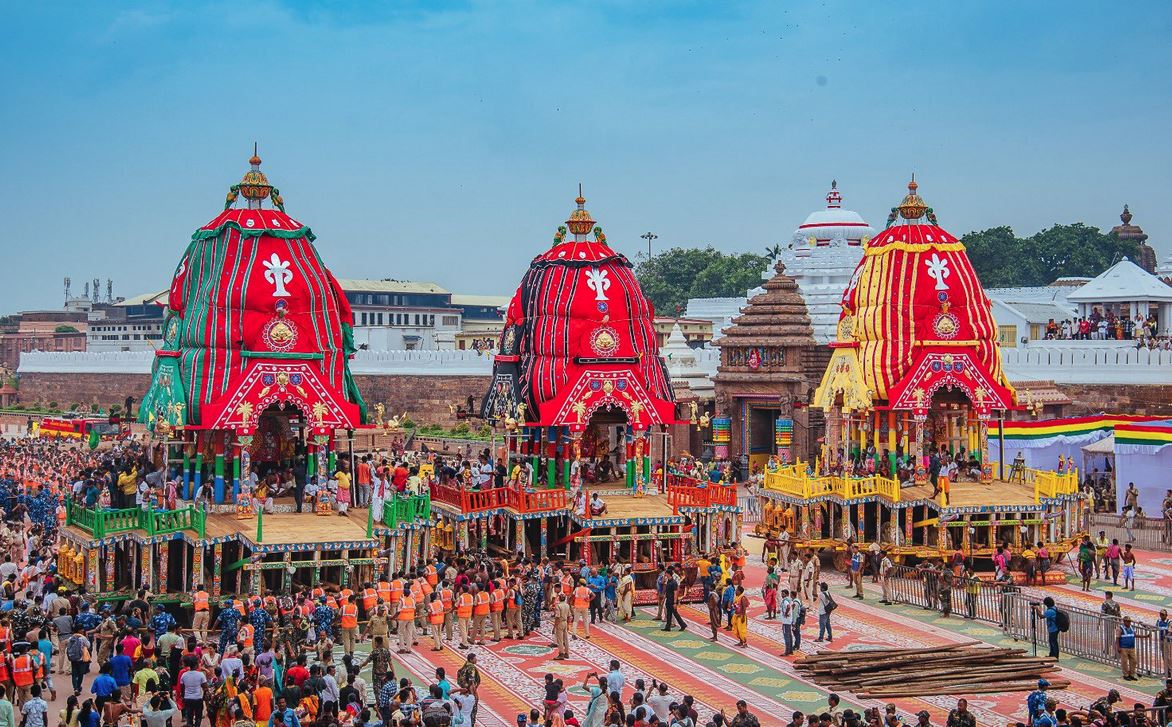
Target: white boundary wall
{"x":1060,"y":364}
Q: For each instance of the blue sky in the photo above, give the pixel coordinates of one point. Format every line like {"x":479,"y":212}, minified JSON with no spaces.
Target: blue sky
{"x":444,"y":141}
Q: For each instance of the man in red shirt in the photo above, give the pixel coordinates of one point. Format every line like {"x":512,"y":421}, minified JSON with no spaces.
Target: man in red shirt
{"x":399,"y":478}
{"x":298,"y":671}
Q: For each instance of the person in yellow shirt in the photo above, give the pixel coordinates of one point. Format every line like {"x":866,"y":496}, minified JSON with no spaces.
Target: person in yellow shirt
{"x":128,"y":485}
{"x":343,"y":478}
{"x":1029,"y":559}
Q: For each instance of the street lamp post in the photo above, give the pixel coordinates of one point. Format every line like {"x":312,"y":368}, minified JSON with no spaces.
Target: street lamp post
{"x":649,"y":236}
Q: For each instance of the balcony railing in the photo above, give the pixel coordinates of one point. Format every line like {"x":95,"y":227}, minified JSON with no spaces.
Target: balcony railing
{"x":525,"y":501}
{"x":793,"y":480}
{"x":103,"y":522}
{"x":539,"y":500}
{"x":684,"y":491}
{"x":406,"y":509}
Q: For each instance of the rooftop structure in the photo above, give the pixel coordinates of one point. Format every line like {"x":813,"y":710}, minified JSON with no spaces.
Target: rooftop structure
{"x":1135,"y":233}
{"x":822,"y":255}
{"x":768,"y":363}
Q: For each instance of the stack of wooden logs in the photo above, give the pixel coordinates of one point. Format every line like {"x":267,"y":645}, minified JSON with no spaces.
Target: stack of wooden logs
{"x":943,"y":670}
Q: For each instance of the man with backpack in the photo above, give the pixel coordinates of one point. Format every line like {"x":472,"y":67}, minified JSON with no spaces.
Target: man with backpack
{"x":77,"y":650}
{"x":1056,"y":622}
{"x":826,"y":606}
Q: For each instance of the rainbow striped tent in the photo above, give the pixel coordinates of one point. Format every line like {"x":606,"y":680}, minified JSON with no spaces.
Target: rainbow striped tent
{"x":1143,"y":455}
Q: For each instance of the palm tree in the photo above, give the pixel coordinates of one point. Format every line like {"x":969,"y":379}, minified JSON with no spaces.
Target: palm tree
{"x":774,"y":251}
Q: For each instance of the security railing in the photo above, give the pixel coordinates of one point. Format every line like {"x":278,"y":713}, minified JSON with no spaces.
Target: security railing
{"x":1146,"y":533}
{"x":972,"y":598}
{"x":1092,"y":635}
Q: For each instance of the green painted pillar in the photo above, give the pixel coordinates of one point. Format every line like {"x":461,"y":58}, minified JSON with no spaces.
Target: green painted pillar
{"x":235,"y":476}
{"x":198,"y":468}
{"x":535,"y":453}
{"x":187,"y":492}
{"x":631,"y":474}
{"x":260,"y":524}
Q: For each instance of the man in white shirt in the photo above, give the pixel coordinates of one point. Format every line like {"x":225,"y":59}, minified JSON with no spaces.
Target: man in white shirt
{"x":660,"y":703}
{"x":788,"y":613}
{"x":232,"y":665}
{"x":330,"y":693}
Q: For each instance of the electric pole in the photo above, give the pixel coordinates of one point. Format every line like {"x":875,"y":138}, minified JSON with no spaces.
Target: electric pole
{"x":649,"y":236}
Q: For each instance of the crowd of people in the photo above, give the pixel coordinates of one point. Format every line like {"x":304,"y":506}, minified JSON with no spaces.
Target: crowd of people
{"x":1108,"y":326}
{"x":268,"y":659}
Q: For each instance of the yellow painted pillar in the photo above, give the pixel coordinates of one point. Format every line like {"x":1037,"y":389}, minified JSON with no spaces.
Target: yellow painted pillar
{"x":875,"y":430}
{"x":891,"y":431}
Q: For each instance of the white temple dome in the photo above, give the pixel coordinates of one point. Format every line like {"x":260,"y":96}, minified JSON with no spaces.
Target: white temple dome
{"x":832,"y":226}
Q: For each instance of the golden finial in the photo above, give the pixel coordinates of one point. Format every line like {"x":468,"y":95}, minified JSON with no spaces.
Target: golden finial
{"x":255,"y":185}
{"x":580,"y":222}
{"x":913,"y":206}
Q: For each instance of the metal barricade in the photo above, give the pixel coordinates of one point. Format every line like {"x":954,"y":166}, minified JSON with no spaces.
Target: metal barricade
{"x":969,"y":598}
{"x":1148,"y":533}
{"x":750,"y":506}
{"x":1091,"y":635}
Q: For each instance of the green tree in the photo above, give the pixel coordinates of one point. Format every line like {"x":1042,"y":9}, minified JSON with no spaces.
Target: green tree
{"x":673,"y":276}
{"x":998,"y":256}
{"x":1003,"y":260}
{"x":65,"y":329}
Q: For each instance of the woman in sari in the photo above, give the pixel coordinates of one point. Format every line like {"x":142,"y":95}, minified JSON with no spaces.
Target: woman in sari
{"x":599,"y":701}
{"x":626,"y":596}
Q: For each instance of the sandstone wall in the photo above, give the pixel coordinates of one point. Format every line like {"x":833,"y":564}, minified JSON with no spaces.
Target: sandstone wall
{"x":1143,"y":399}
{"x":425,"y":398}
